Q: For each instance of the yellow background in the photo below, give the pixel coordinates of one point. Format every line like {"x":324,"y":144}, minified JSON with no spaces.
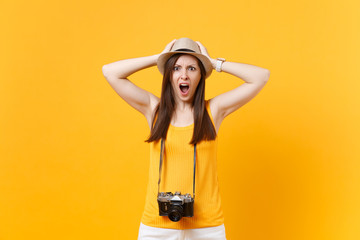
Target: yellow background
{"x":74,"y":164}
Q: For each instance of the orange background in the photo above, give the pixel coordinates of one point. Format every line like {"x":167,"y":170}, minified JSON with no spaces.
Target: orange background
{"x":73,"y":161}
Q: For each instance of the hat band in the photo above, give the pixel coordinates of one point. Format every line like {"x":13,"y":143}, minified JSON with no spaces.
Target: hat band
{"x":184,"y":50}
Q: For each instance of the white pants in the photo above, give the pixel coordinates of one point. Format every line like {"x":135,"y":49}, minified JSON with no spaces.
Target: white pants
{"x":209,"y":233}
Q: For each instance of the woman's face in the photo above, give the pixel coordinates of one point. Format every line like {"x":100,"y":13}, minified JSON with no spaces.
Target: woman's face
{"x":186,"y":76}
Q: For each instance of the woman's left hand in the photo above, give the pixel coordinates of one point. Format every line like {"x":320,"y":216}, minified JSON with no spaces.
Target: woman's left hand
{"x":204,"y":52}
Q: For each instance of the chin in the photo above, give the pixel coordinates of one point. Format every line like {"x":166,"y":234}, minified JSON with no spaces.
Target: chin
{"x":185,"y":99}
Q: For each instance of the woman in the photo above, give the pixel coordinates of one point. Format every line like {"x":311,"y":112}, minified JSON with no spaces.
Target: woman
{"x":182,"y":139}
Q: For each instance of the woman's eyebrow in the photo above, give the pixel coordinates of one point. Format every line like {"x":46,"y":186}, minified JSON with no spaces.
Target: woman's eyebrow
{"x":192,"y":64}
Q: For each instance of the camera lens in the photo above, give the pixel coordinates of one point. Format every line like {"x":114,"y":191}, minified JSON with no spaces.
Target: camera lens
{"x":175,"y":213}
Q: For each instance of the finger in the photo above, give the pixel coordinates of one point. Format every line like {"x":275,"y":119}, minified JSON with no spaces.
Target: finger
{"x":171,"y":43}
{"x":200,"y":45}
{"x":202,"y":48}
{"x":169,"y":46}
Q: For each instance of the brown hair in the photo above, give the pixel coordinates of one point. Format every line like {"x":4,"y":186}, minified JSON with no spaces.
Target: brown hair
{"x":203,"y":127}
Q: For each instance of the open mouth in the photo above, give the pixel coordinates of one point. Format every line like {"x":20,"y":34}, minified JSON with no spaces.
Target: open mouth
{"x":184,"y":87}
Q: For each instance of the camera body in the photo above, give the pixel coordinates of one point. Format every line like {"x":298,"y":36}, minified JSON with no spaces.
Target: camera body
{"x":175,"y":206}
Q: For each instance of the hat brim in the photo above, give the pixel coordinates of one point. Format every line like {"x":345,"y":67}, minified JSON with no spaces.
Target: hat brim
{"x":204,"y":60}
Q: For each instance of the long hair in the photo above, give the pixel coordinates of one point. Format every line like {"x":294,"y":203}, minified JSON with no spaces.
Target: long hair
{"x":203,"y":127}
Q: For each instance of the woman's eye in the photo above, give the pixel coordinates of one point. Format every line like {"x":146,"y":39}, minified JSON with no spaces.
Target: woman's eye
{"x":192,"y":68}
{"x":176,"y":68}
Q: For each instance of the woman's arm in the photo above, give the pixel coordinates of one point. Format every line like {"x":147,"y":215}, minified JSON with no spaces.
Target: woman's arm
{"x":117,"y":76}
{"x":255,"y":79}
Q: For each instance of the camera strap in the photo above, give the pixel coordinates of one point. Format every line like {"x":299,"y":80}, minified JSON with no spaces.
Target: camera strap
{"x":161,"y":160}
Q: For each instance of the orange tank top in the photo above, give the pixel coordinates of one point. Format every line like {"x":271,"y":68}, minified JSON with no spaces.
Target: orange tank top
{"x":177,"y":175}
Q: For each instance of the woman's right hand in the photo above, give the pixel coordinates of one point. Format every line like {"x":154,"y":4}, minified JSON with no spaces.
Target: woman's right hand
{"x":168,"y":47}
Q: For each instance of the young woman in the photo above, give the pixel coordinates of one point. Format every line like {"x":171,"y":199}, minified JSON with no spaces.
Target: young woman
{"x":183,"y":129}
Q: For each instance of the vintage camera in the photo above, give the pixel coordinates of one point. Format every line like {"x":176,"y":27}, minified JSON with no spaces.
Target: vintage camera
{"x":175,"y":206}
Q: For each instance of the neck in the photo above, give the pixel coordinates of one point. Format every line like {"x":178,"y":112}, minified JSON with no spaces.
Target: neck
{"x":183,"y":106}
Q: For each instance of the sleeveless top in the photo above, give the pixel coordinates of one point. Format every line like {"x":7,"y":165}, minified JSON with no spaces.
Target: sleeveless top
{"x":177,"y":175}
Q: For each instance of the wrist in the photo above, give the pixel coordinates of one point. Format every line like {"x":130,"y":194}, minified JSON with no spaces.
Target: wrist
{"x":219,"y":63}
{"x":213,"y":62}
{"x":155,"y":58}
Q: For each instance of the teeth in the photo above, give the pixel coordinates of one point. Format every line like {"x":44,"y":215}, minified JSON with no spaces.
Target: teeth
{"x":184,"y":87}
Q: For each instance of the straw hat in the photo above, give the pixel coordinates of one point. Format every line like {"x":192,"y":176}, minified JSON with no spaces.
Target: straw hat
{"x":185,"y":45}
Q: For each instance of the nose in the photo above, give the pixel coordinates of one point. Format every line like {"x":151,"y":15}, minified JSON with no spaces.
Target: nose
{"x":184,"y":74}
